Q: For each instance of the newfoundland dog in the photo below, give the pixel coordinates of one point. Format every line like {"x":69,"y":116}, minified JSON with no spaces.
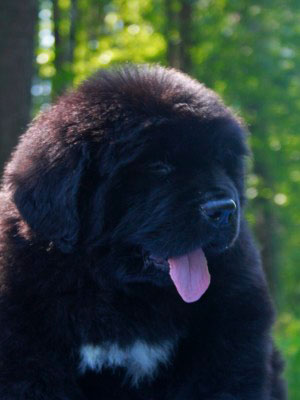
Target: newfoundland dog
{"x":127,"y":270}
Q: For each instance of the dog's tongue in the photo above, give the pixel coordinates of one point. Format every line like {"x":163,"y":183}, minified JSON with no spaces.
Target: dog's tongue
{"x":190,"y":275}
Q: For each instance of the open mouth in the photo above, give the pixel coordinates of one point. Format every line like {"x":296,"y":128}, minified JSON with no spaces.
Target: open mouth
{"x":188,"y":272}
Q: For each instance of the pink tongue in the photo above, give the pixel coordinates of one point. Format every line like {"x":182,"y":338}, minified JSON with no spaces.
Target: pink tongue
{"x":190,"y":275}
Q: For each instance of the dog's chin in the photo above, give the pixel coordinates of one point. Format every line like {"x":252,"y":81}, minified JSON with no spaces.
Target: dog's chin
{"x":187,"y":272}
{"x":156,"y":269}
{"x":185,"y":269}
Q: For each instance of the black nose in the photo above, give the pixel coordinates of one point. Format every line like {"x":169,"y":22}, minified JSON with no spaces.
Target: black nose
{"x":219,"y":211}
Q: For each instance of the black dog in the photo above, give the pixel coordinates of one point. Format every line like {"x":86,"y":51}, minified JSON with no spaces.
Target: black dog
{"x":127,"y":269}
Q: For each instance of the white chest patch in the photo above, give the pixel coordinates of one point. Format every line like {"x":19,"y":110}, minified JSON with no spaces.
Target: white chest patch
{"x":139,"y":359}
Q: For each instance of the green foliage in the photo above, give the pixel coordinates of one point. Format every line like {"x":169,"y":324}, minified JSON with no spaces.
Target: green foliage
{"x":248,"y":52}
{"x":288,"y":340}
{"x":121,"y":33}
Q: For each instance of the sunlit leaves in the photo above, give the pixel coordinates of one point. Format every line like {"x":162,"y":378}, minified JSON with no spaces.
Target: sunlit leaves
{"x":288,"y":339}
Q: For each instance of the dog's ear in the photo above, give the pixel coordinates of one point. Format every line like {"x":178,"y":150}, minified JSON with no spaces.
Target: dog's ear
{"x":45,"y":185}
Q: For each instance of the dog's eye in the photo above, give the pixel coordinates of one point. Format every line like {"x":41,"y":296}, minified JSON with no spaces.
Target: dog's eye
{"x":161,"y":168}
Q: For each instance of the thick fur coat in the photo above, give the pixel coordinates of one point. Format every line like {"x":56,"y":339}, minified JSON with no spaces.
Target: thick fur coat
{"x":114,"y":203}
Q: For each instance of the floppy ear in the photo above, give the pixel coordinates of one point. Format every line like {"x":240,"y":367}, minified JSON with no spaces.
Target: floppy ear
{"x":45,"y":190}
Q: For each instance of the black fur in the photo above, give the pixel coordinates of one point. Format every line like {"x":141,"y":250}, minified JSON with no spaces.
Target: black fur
{"x":114,"y":173}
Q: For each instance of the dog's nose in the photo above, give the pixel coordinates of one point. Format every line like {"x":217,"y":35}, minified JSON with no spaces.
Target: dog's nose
{"x":219,"y":211}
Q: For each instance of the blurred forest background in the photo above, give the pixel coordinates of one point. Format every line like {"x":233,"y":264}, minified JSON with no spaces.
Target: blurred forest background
{"x":248,"y":51}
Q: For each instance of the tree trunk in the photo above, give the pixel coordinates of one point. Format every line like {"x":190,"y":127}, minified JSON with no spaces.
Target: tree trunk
{"x":64,"y":47}
{"x":72,"y":36}
{"x":17,"y":31}
{"x":185,"y":30}
{"x":172,"y":34}
{"x":178,"y":31}
{"x":58,"y":60}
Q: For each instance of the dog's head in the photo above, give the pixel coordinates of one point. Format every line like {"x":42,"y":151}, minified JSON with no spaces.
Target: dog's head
{"x":144,"y":161}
